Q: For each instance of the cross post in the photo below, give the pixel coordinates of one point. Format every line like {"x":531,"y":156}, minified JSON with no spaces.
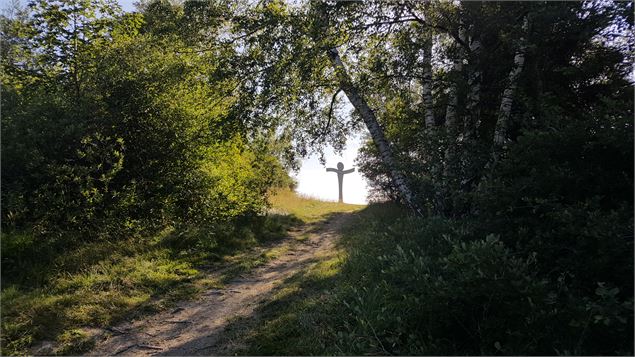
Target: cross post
{"x":340,"y":176}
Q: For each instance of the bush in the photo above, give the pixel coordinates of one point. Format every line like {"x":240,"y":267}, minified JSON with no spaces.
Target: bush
{"x":567,"y":195}
{"x":559,"y":201}
{"x":146,"y":140}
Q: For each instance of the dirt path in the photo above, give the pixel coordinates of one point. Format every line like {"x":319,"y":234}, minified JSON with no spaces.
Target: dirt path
{"x":197,"y":327}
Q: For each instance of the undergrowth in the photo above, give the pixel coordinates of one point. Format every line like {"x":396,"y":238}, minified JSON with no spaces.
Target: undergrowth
{"x":402,"y":285}
{"x":57,"y":289}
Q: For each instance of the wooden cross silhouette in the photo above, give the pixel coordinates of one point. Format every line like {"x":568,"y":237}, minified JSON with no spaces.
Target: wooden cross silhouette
{"x":340,"y":176}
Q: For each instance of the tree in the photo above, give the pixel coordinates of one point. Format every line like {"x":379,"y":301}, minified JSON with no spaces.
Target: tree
{"x":113,"y":123}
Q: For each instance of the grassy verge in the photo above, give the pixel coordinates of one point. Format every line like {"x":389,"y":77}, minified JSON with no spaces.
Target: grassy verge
{"x":298,"y":318}
{"x":307,"y":209}
{"x":307,"y":314}
{"x":98,"y":284}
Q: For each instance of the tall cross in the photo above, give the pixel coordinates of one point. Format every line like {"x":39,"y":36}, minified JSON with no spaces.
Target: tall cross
{"x":340,"y":176}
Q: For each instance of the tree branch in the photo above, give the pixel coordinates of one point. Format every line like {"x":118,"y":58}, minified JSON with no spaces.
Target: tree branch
{"x":328,"y":123}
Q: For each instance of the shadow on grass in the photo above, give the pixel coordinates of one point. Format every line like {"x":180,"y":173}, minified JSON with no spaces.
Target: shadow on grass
{"x":57,"y":289}
{"x":301,"y":292}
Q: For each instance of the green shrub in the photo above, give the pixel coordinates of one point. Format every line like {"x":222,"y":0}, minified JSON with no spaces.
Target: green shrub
{"x":145,"y":137}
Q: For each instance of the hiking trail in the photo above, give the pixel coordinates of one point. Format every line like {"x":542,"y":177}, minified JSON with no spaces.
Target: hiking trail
{"x":197,"y":327}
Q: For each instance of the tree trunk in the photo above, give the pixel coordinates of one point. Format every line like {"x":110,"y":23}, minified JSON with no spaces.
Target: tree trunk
{"x":376,"y":132}
{"x":453,"y":98}
{"x":472,"y":109}
{"x":426,"y":90}
{"x":500,"y":131}
{"x":451,"y":151}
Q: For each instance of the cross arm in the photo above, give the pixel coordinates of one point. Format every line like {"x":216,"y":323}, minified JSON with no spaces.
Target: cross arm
{"x":348,"y":171}
{"x":330,"y":169}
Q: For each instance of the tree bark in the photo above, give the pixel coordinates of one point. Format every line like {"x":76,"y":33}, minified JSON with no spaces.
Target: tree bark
{"x":376,"y":132}
{"x":426,"y":90}
{"x":452,"y":133}
{"x":474,"y":86}
{"x":453,"y":99}
{"x":507,"y":99}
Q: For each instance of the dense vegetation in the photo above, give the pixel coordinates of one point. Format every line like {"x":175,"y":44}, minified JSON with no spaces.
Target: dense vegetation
{"x":547,"y":208}
{"x":138,"y":145}
{"x":508,"y":129}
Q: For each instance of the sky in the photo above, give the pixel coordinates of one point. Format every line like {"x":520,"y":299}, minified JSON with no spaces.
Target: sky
{"x":313,"y":180}
{"x":127,"y":5}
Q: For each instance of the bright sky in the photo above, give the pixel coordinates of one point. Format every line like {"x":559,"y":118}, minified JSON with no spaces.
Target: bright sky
{"x":313,"y":180}
{"x":127,"y":5}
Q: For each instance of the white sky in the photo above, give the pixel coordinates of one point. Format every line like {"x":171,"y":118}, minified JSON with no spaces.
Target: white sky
{"x":127,"y":5}
{"x":313,"y":180}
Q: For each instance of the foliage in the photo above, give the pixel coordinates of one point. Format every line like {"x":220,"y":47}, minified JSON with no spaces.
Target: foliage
{"x":567,"y":193}
{"x":49,"y":296}
{"x":114,"y":133}
{"x":560,"y":188}
{"x":145,"y":138}
{"x":183,"y":118}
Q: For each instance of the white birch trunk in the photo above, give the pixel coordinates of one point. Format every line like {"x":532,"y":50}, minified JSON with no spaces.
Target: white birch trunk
{"x":507,"y":99}
{"x":453,"y":99}
{"x":376,"y":132}
{"x":451,"y":111}
{"x":426,"y":90}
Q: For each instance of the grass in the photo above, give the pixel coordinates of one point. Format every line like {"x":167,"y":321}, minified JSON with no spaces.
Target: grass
{"x":395,"y":284}
{"x":307,"y":209}
{"x":402,"y":285}
{"x":294,"y":315}
{"x":58,"y":294}
{"x":129,"y":279}
{"x":99,"y":284}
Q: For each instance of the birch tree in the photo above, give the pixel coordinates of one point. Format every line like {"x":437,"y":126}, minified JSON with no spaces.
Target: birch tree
{"x":507,"y":99}
{"x":375,"y":130}
{"x":426,"y":84}
{"x":453,"y":99}
{"x":474,"y":87}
